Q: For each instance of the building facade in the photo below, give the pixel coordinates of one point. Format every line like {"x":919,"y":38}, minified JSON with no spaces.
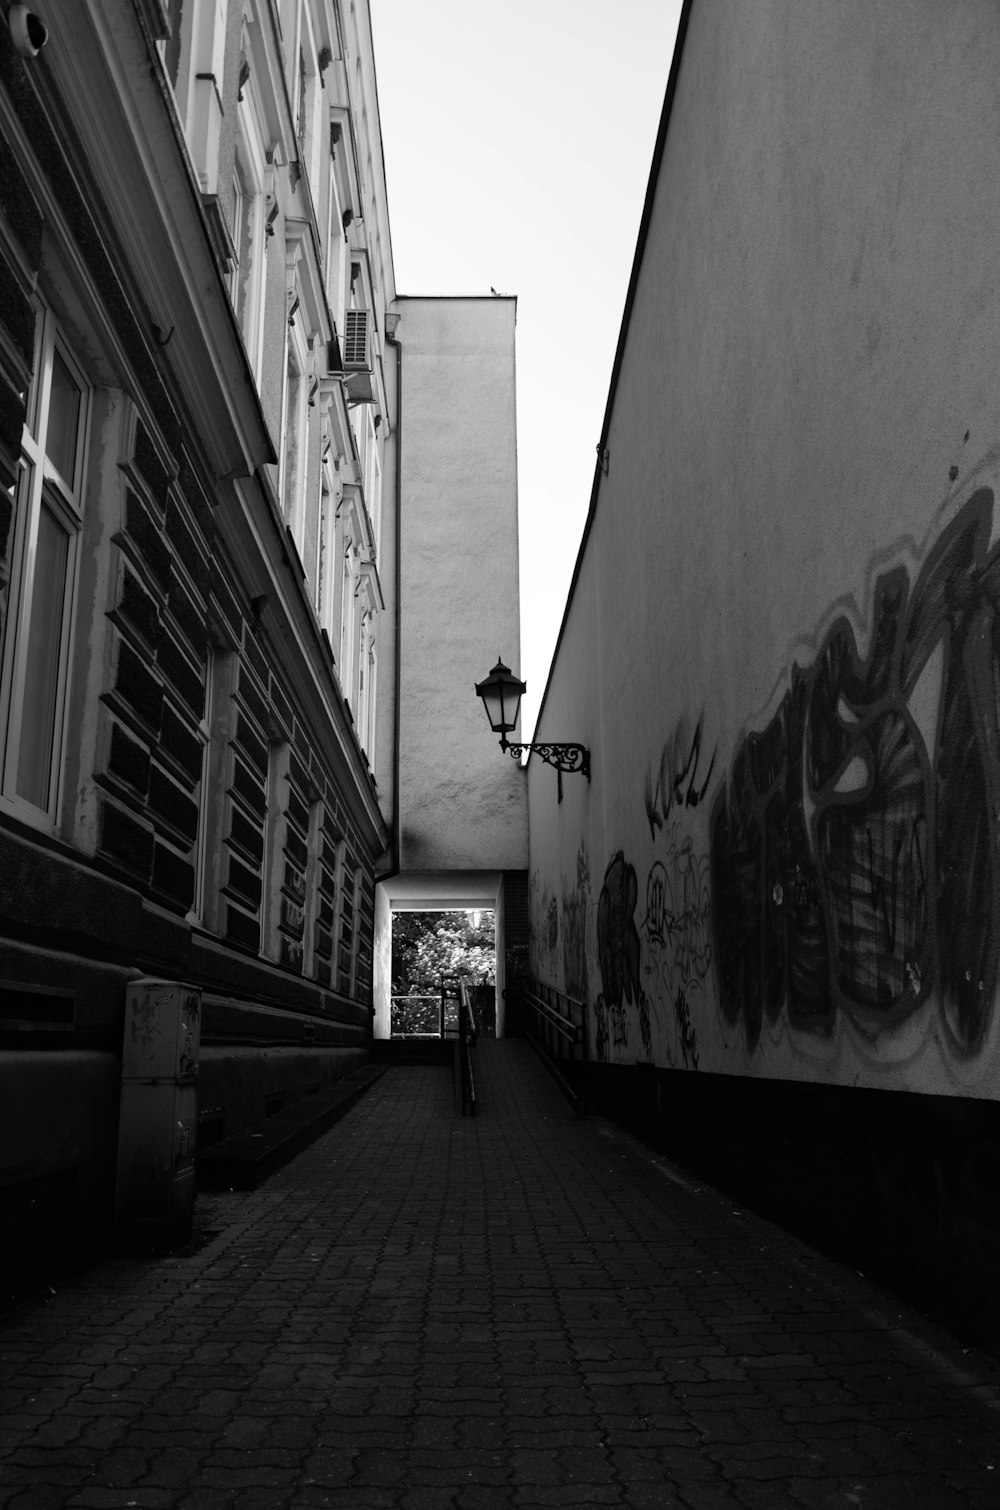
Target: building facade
{"x":197,"y":725}
{"x":462,"y":837}
{"x":777,"y":899}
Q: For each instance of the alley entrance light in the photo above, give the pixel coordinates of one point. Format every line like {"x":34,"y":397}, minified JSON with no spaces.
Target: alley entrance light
{"x":501,"y":693}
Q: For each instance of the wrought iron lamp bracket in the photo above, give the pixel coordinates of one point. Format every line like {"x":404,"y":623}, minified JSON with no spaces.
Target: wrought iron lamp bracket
{"x":565,"y":757}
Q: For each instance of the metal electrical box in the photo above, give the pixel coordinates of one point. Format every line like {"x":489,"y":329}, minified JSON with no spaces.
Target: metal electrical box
{"x":155,"y":1193}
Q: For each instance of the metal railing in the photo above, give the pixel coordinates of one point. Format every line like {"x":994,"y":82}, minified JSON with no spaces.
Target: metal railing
{"x":466,"y":1043}
{"x":459,"y":1026}
{"x":447,"y":993}
{"x":556,"y":1025}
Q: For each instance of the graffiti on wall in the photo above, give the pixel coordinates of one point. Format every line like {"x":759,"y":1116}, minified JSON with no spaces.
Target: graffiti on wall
{"x":678,"y":921}
{"x":681,"y":779}
{"x":855,"y":849}
{"x":574,"y":927}
{"x":618,"y":951}
{"x":546,"y":936}
{"x":551,"y":923}
{"x":677,"y":934}
{"x":656,"y":966}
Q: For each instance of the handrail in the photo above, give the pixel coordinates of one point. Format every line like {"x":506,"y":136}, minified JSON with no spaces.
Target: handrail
{"x":407,"y":1007}
{"x":555,"y":1025}
{"x":466,"y":1043}
{"x":562,"y":1022}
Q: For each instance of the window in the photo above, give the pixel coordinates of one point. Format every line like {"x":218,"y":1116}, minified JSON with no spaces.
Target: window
{"x":239,"y":235}
{"x":345,"y":934}
{"x":366,"y":687}
{"x":193,"y":59}
{"x":366,"y":440}
{"x":170,"y":49}
{"x":336,"y":236}
{"x":48,"y":519}
{"x":276,"y":827}
{"x":302,"y":108}
{"x":304,"y":88}
{"x":348,"y":624}
{"x":295,"y":445}
{"x":215,"y":731}
{"x":313,"y":898}
{"x":247,"y":229}
{"x":326,"y":544}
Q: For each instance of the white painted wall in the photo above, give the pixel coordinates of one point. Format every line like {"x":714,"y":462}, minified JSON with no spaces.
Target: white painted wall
{"x":807,"y":400}
{"x":463,"y":804}
{"x":382,"y":965}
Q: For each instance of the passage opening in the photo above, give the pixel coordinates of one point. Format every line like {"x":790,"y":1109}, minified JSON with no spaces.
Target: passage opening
{"x":428,"y":950}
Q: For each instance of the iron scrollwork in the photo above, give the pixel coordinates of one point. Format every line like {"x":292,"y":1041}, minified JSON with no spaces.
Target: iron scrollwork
{"x":565,"y":757}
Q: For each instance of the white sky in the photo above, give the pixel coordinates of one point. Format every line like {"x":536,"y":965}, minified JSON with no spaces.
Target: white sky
{"x":518,"y":139}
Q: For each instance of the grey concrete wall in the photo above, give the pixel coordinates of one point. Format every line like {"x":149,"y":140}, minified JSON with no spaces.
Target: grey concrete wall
{"x":780,"y":644}
{"x":462,"y":803}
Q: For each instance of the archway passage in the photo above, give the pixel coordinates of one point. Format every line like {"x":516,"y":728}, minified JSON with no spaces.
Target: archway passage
{"x":502,"y":893}
{"x":430,"y":951}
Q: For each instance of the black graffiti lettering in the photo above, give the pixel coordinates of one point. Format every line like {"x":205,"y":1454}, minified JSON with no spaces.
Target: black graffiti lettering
{"x":676,"y":783}
{"x":686,"y":1033}
{"x":855,"y":852}
{"x":619,"y":1027}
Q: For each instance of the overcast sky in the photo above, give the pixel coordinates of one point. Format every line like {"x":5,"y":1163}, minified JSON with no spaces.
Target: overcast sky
{"x":518,"y":140}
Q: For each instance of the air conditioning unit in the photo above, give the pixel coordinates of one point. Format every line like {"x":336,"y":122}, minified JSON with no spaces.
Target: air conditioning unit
{"x":355,"y":349}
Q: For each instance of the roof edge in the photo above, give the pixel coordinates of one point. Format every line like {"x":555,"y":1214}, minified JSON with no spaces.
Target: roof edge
{"x":640,"y":249}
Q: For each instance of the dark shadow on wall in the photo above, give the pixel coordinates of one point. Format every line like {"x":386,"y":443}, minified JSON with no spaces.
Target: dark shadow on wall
{"x":900,"y":1186}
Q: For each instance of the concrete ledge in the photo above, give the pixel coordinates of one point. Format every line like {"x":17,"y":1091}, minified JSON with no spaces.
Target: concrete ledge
{"x":248,"y":1158}
{"x":402,"y":1051}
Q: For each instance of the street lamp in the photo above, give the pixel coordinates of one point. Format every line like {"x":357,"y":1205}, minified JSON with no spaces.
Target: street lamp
{"x":501,"y":693}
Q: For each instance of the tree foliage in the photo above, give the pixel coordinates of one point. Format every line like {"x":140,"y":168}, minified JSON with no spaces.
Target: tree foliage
{"x":427,"y":945}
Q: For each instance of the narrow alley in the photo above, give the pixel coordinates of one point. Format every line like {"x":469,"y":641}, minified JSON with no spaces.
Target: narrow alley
{"x":525,"y":1309}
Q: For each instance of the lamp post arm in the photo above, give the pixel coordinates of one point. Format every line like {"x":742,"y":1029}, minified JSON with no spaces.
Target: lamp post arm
{"x":564,"y":757}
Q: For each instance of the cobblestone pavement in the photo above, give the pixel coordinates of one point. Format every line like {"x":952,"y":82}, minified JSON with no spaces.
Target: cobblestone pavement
{"x":429,"y":1313}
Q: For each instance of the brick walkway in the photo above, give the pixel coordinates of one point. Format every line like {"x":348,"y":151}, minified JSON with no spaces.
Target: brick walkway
{"x":429,"y":1313}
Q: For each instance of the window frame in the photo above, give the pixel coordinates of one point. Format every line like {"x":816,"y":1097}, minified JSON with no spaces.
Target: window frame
{"x":295,"y":435}
{"x":40,"y":487}
{"x":325,"y":591}
{"x":248,"y":281}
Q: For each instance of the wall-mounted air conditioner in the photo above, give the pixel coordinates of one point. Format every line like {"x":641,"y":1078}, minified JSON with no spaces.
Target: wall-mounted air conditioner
{"x":359,"y":382}
{"x":355,"y":349}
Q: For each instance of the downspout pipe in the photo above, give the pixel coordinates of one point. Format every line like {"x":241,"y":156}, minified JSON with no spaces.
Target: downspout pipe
{"x":394,"y":853}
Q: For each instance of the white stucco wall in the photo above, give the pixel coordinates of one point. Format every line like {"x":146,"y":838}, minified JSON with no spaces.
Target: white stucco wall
{"x":463,"y":804}
{"x":806,"y":404}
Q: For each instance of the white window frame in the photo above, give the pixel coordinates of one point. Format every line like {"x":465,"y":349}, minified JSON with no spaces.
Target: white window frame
{"x":366,"y":683}
{"x":295,"y":435}
{"x":250,"y":172}
{"x":337,"y":252}
{"x":366,"y":440}
{"x":326,"y":543}
{"x":372,"y":692}
{"x":304,"y":71}
{"x":349,"y":628}
{"x":40,"y":486}
{"x":202,"y":886}
{"x":197,"y":88}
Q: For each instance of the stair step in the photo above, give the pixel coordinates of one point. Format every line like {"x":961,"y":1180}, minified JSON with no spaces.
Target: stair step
{"x":248,"y":1158}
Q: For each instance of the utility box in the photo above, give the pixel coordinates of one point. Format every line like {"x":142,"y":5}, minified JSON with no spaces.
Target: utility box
{"x":155,"y":1193}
